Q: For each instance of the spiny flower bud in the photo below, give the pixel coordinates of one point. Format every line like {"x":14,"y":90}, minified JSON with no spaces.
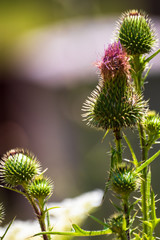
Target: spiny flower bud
{"x":40,"y":188}
{"x":110,"y":107}
{"x":136,"y":33}
{"x":18,"y":167}
{"x":123,"y":181}
{"x":114,"y":63}
{"x":115,"y":223}
{"x":114,"y":104}
{"x":152,"y":127}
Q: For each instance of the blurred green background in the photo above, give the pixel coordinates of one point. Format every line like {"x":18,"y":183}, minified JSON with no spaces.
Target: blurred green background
{"x":45,"y":117}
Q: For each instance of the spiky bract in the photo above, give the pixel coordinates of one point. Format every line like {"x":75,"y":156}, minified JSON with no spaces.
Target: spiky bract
{"x":18,"y":167}
{"x":123,"y":181}
{"x":110,"y":107}
{"x":40,"y":188}
{"x":136,"y":33}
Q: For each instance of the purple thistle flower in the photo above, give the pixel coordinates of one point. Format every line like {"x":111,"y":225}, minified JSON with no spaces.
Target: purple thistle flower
{"x":114,"y":63}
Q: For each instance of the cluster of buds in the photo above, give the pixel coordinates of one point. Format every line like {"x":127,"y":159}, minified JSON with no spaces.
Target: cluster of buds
{"x":21,"y":168}
{"x":116,"y":103}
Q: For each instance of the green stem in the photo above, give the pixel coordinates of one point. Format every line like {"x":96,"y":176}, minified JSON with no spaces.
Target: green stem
{"x":39,"y":214}
{"x":126,"y":213}
{"x":139,"y":66}
{"x":118,"y":138}
{"x":145,"y":209}
{"x":123,"y":236}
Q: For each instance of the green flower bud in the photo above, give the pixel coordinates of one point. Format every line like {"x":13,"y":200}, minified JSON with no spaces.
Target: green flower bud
{"x":152,"y":127}
{"x":123,"y":181}
{"x":136,"y":33}
{"x":1,"y":213}
{"x":18,"y":167}
{"x":110,"y":107}
{"x":115,"y":223}
{"x":40,"y":188}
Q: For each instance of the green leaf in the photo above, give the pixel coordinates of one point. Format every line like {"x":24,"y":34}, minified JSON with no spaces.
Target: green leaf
{"x":135,"y":161}
{"x":99,"y":221}
{"x":152,"y":56}
{"x":48,"y":209}
{"x":9,"y":225}
{"x":153,"y":207}
{"x":146,"y":163}
{"x":119,"y":209}
{"x":137,"y":237}
{"x":134,"y":204}
{"x":146,"y":75}
{"x":77,"y":231}
{"x":105,"y":135}
{"x":13,"y":189}
{"x":149,"y":224}
{"x":124,"y":225}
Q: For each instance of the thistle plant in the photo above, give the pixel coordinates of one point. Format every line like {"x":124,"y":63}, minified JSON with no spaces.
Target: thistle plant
{"x":20,"y":171}
{"x":116,"y":103}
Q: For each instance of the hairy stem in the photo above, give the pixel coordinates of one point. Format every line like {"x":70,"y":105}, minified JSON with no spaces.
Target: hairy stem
{"x":40,"y":216}
{"x":138,"y":69}
{"x":145,"y":209}
{"x":127,"y":217}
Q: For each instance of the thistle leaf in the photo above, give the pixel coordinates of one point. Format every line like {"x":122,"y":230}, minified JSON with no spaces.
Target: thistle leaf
{"x":152,"y":56}
{"x":105,"y":135}
{"x":135,"y":161}
{"x":77,"y":231}
{"x":9,"y":225}
{"x":145,"y":164}
{"x":99,"y":221}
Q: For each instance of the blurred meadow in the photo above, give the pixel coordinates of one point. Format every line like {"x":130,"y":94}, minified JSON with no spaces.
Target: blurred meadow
{"x":47,"y":53}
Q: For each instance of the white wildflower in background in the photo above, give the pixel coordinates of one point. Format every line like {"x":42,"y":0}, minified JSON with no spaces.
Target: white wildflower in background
{"x":71,"y":211}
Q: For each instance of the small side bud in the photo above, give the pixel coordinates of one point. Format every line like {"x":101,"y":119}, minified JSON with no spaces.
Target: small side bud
{"x":18,"y":167}
{"x":152,"y":127}
{"x":136,"y":32}
{"x":40,"y":188}
{"x":115,"y":223}
{"x":123,"y":181}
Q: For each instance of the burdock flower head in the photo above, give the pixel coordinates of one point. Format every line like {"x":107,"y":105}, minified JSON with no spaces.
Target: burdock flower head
{"x":115,"y":63}
{"x":136,"y":33}
{"x":18,"y":167}
{"x":114,"y":103}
